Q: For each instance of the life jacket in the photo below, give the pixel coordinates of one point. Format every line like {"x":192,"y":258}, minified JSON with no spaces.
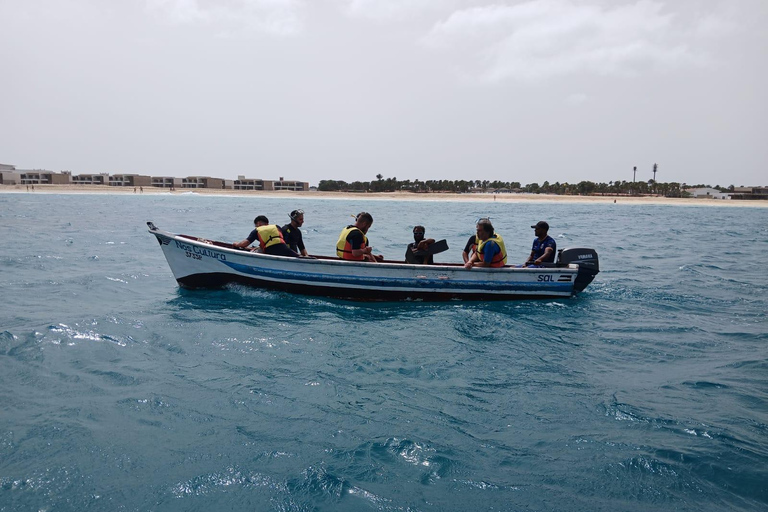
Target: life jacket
{"x":343,"y":247}
{"x":500,"y":258}
{"x":269,"y":235}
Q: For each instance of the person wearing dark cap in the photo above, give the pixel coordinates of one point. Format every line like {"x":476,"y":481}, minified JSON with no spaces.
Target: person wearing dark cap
{"x":292,"y":233}
{"x":544,"y":246}
{"x":417,"y":250}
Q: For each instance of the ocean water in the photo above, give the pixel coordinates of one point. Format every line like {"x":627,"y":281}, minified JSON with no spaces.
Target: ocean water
{"x":121,"y":391}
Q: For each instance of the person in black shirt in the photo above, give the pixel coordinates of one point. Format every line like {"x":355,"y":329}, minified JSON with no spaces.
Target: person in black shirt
{"x":417,"y":250}
{"x":292,"y":233}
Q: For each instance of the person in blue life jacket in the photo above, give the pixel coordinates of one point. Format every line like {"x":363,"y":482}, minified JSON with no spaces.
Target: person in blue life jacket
{"x":544,"y":246}
{"x":270,"y":239}
{"x":353,"y":242}
{"x":491,"y":251}
{"x":292,"y":233}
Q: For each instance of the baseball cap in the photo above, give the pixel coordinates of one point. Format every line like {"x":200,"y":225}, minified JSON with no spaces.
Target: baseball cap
{"x":541,"y":224}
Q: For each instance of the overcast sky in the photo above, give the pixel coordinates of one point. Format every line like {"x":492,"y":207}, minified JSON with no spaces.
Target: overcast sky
{"x":557,"y":90}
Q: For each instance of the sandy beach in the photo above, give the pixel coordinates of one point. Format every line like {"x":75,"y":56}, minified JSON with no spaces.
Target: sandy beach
{"x":385,"y":196}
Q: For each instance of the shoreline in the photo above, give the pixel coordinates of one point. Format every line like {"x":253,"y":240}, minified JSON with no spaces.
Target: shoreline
{"x":383,"y":196}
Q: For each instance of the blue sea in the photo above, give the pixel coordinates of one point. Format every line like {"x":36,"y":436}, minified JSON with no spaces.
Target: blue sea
{"x":119,"y":391}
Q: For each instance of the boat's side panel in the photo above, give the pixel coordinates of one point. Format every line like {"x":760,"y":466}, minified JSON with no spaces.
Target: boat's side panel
{"x":197,"y":264}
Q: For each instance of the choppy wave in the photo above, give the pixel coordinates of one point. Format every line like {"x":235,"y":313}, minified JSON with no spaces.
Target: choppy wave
{"x":121,"y":391}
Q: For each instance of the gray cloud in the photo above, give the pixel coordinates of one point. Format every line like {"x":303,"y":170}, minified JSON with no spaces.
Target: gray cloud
{"x":396,"y":10}
{"x":277,"y":17}
{"x":548,"y":38}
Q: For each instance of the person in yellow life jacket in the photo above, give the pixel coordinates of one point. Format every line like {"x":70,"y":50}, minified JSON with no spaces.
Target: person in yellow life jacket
{"x":270,"y":239}
{"x":353,"y":242}
{"x":471,"y":246}
{"x":490,"y":248}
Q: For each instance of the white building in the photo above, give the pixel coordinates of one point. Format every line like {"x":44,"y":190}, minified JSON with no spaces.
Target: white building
{"x":708,"y":193}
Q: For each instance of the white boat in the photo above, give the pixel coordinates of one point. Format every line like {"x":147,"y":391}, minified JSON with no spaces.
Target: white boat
{"x":199,"y":263}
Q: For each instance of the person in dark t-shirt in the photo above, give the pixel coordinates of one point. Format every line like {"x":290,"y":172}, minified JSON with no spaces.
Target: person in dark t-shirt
{"x":544,"y":246}
{"x":292,"y":233}
{"x":417,"y":250}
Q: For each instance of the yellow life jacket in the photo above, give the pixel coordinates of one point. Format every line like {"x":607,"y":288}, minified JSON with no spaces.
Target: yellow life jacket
{"x":500,"y":258}
{"x":269,"y":235}
{"x":343,"y":247}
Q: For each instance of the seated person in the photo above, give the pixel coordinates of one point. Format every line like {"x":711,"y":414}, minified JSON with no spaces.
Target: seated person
{"x":471,"y":247}
{"x":292,"y":233}
{"x":270,"y":239}
{"x":490,"y":248}
{"x":544,"y":246}
{"x":353,"y":242}
{"x":417,"y":250}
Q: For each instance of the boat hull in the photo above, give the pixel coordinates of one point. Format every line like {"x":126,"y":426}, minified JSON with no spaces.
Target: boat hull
{"x":198,"y":263}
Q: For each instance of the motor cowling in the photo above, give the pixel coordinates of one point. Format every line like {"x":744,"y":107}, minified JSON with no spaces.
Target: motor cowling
{"x":586,"y":259}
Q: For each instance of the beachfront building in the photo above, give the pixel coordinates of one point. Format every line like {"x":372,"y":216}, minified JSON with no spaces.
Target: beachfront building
{"x":91,"y":179}
{"x":707,"y":193}
{"x":130,"y":180}
{"x":203,"y":182}
{"x":243,"y":183}
{"x":9,"y":178}
{"x":166,"y":182}
{"x":41,"y":177}
{"x":8,"y":175}
{"x":292,"y":185}
{"x":750,"y":193}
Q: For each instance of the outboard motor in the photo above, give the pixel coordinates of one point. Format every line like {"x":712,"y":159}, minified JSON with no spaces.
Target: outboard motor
{"x":587,"y":261}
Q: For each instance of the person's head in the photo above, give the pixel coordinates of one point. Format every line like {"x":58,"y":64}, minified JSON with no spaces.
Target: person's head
{"x":484,"y":229}
{"x":541,"y":228}
{"x":364,"y":221}
{"x":297,"y":218}
{"x":418,"y":233}
{"x":261,"y":220}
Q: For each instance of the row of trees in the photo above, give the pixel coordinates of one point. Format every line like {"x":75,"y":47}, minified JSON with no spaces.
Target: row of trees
{"x":651,"y":187}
